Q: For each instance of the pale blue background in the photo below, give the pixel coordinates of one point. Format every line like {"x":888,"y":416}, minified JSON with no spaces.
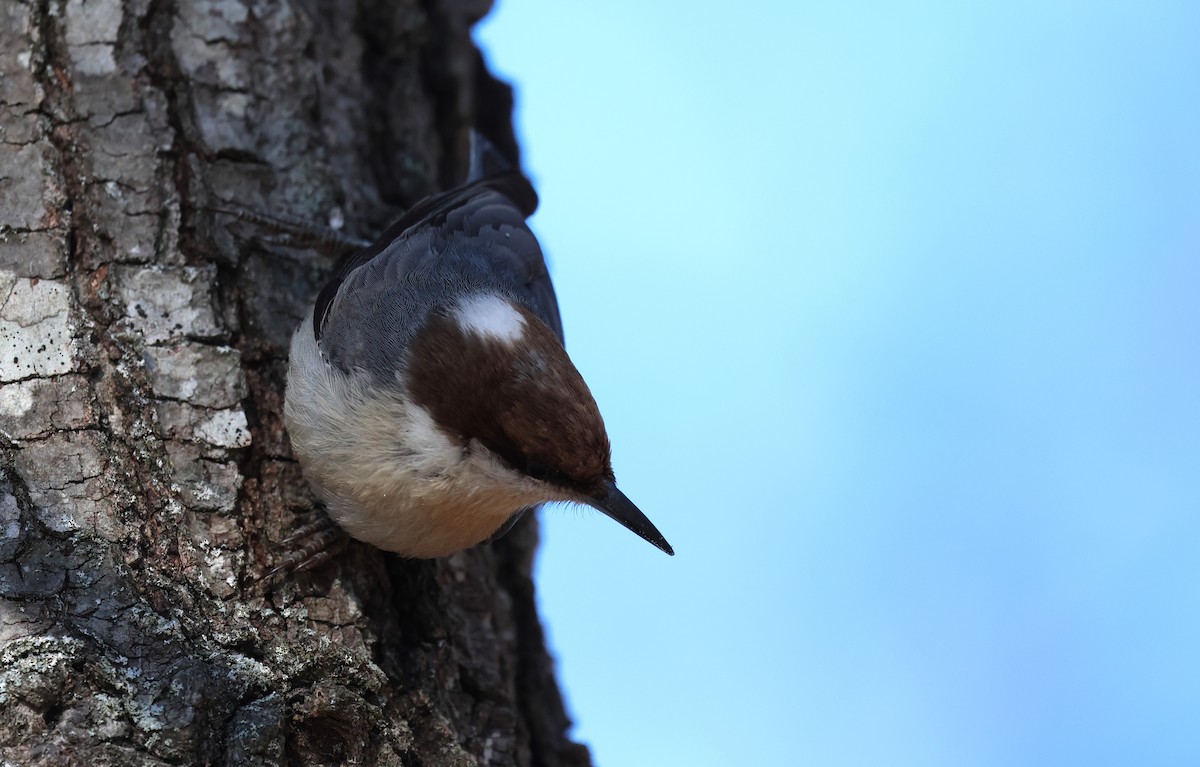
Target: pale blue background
{"x":892,"y":310}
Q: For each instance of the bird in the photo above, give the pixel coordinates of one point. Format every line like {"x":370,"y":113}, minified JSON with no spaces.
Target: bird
{"x":430,"y":399}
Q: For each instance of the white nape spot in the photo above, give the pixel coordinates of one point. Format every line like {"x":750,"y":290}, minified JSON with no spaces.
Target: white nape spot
{"x":490,"y":316}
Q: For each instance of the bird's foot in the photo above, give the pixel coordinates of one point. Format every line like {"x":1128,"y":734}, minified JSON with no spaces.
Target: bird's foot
{"x":294,"y":232}
{"x":310,"y":546}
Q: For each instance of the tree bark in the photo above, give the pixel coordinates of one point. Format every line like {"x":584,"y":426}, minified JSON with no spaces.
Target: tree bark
{"x":146,"y":474}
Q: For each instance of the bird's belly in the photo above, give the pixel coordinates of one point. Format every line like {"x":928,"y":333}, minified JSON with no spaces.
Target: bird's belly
{"x":422,"y":527}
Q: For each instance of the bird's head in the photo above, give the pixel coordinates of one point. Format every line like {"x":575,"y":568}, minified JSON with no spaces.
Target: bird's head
{"x":491,"y":373}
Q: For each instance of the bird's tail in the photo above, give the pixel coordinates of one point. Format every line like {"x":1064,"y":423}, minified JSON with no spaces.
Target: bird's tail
{"x":489,"y":165}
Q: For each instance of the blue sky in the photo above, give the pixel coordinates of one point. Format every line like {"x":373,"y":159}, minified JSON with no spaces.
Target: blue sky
{"x":892,"y":313}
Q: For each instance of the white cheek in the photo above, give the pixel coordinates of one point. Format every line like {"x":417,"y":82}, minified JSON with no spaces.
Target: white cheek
{"x":430,"y":451}
{"x":491,"y":317}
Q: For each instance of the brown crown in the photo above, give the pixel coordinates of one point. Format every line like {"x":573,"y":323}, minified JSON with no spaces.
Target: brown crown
{"x":524,"y":401}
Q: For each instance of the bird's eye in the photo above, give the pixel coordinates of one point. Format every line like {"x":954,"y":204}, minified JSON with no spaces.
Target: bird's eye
{"x":549,"y":474}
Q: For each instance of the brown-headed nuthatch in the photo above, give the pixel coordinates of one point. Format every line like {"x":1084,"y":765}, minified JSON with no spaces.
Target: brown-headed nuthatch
{"x":429,"y":397}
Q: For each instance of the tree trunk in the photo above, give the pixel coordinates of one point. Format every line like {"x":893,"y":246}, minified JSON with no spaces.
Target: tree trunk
{"x":143,"y":343}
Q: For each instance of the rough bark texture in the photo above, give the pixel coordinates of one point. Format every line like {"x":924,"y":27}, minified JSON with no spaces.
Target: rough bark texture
{"x":145,"y":471}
